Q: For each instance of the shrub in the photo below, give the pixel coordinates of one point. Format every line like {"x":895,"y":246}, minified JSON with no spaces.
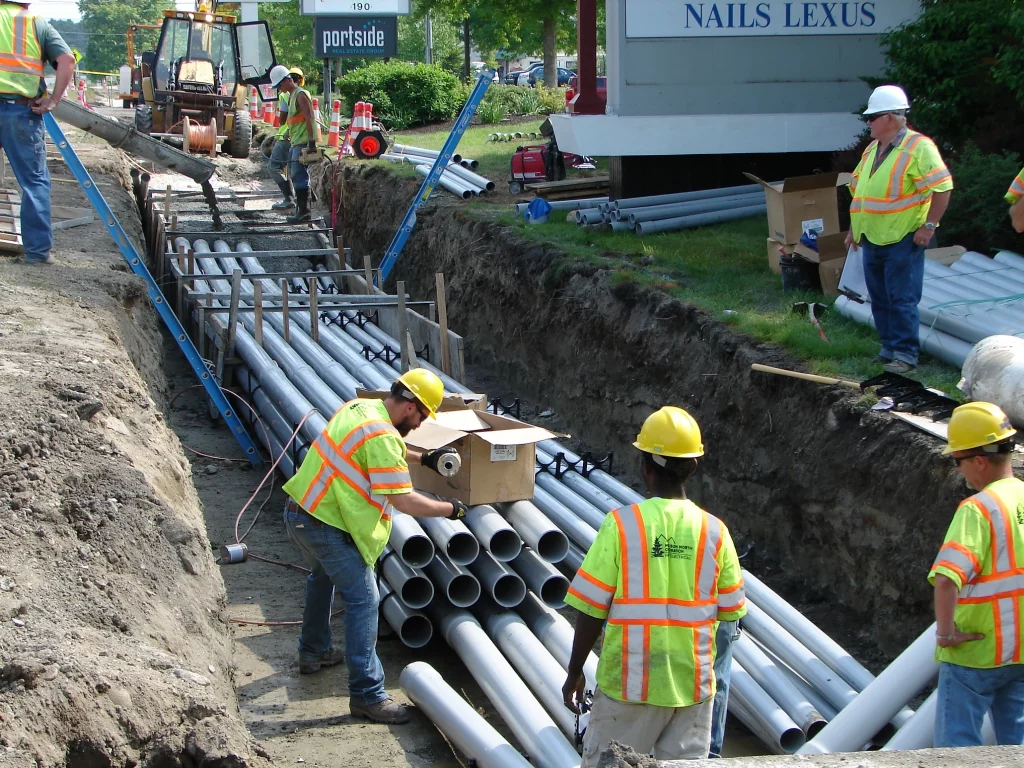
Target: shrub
{"x":526,"y":101}
{"x":404,"y":94}
{"x":490,"y":113}
{"x":977,"y":217}
{"x":552,"y":100}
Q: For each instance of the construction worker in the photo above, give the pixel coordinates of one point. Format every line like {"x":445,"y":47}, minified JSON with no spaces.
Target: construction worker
{"x":901,"y":189}
{"x":662,"y":573}
{"x":978,"y":577}
{"x":279,"y":154}
{"x":1013,"y":196}
{"x":27,"y":43}
{"x":353,"y":478}
{"x":302,"y":133}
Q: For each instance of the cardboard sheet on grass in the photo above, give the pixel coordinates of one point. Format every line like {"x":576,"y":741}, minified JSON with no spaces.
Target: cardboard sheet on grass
{"x":802,"y":204}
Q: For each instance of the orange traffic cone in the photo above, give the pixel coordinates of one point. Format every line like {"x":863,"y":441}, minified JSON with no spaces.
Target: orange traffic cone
{"x":332,"y":133}
{"x":254,"y":107}
{"x":268,"y":112}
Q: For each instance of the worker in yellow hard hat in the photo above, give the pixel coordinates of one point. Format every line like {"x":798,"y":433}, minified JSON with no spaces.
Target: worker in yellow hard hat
{"x":353,"y":478}
{"x":282,"y":146}
{"x":978,"y":577}
{"x":661,"y":573}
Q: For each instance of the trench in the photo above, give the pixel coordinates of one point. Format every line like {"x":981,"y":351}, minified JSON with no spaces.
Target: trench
{"x":842,"y":508}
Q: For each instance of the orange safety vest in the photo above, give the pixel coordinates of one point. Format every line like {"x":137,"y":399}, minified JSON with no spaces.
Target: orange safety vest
{"x":21,"y":57}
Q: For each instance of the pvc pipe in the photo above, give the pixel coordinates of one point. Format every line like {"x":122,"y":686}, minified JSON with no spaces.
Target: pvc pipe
{"x":901,"y":681}
{"x":461,"y":724}
{"x":520,"y":710}
{"x":683,"y":197}
{"x":581,"y":533}
{"x":572,"y":562}
{"x":406,"y":149}
{"x":583,"y":487}
{"x":468,"y":162}
{"x":415,"y":589}
{"x":501,"y":584}
{"x":1011,"y":259}
{"x":494,"y":532}
{"x":541,"y":577}
{"x":621,"y":226}
{"x":536,"y":530}
{"x":658,"y":212}
{"x":919,"y":732}
{"x":413,"y":628}
{"x":476,"y":179}
{"x":590,"y":216}
{"x":556,"y":633}
{"x":820,"y":703}
{"x":762,"y":714}
{"x":576,"y":504}
{"x":699,"y":220}
{"x":458,"y":585}
{"x":566,"y":205}
{"x":778,"y":686}
{"x":453,"y":538}
{"x":447,"y":182}
{"x":598,"y":477}
{"x":409,"y":541}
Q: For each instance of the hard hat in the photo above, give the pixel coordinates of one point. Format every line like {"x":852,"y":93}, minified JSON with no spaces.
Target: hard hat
{"x":887,"y":98}
{"x":296,"y":71}
{"x":672,"y":432}
{"x":976,"y":424}
{"x":426,"y":386}
{"x":277,"y":74}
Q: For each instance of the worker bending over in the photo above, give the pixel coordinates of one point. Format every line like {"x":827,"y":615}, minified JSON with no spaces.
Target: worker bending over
{"x":353,"y":478}
{"x":662,"y":574}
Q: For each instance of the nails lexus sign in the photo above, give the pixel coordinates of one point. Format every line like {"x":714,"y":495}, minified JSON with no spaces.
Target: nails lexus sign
{"x":362,"y":36}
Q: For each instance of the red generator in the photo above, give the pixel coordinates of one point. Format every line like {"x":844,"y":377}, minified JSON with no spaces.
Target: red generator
{"x":536,"y":162}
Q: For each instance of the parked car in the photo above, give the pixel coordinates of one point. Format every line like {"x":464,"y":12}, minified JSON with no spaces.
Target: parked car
{"x":602,"y":89}
{"x":523,"y":76}
{"x":537,"y":76}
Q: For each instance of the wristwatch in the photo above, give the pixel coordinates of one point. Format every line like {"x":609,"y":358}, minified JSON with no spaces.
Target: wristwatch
{"x":930,"y":226}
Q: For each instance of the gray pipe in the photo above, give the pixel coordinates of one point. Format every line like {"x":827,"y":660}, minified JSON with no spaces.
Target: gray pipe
{"x":577,"y":530}
{"x":415,"y":589}
{"x":621,"y":226}
{"x":458,"y":585}
{"x":684,"y":197}
{"x":453,"y":538}
{"x":541,"y":577}
{"x":494,"y":532}
{"x":590,"y":216}
{"x":556,"y":633}
{"x":461,"y":171}
{"x":699,"y":220}
{"x":572,"y":562}
{"x":405,"y":149}
{"x":409,"y":541}
{"x":565,"y":205}
{"x":446,"y":181}
{"x":658,"y":212}
{"x":536,"y":530}
{"x":610,"y":485}
{"x":762,"y":714}
{"x":576,"y":504}
{"x":412,"y":627}
{"x":497,"y":581}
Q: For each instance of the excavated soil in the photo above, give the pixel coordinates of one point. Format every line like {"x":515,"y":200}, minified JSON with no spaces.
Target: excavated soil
{"x":845,"y":507}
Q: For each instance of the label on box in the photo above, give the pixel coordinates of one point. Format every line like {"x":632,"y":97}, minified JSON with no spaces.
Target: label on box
{"x":813,"y":225}
{"x":503,"y":453}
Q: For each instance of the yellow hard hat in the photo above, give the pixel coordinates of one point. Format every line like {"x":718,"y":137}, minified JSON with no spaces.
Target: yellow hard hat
{"x":976,"y":424}
{"x":426,"y":386}
{"x":296,"y":71}
{"x":672,"y":432}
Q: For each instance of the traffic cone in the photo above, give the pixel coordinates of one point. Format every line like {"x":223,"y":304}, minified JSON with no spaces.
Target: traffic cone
{"x":353,"y":129}
{"x":332,"y":133}
{"x":367,"y":116}
{"x":316,"y":104}
{"x":254,"y":107}
{"x":268,"y":112}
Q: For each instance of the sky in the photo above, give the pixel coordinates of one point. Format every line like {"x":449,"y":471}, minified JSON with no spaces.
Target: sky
{"x":68,"y":9}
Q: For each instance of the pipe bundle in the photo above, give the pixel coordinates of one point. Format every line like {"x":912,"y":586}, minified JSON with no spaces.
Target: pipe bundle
{"x":458,"y":178}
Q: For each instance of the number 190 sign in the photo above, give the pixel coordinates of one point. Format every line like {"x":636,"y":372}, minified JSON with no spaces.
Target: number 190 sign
{"x":355,"y":7}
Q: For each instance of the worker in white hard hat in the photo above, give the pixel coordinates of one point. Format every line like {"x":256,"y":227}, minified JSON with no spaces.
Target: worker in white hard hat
{"x":282,"y":146}
{"x":978,"y":577}
{"x":901,"y":189}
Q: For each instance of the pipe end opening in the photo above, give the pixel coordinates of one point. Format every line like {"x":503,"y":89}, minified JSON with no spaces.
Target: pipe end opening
{"x":552,"y":592}
{"x":463,"y":548}
{"x":553,"y":546}
{"x":417,"y":631}
{"x":463,"y":591}
{"x":505,"y":546}
{"x":417,"y":592}
{"x":509,"y":591}
{"x":417,"y":551}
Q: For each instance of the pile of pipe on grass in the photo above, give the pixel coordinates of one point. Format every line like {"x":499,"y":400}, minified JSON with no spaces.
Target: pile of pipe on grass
{"x":975,"y":297}
{"x":458,"y":178}
{"x":670,"y":213}
{"x":491,"y":585}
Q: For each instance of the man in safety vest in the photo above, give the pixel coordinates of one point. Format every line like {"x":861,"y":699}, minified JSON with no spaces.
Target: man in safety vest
{"x":302,"y":135}
{"x":1014,"y":195}
{"x":662,"y":574}
{"x":979,"y":582}
{"x":353,"y":478}
{"x":27,"y":43}
{"x":901,"y":188}
{"x":279,"y":154}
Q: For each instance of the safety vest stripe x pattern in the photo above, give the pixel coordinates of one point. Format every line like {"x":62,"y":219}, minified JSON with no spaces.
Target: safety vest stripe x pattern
{"x":932,"y":179}
{"x":344,"y":470}
{"x":899,"y":168}
{"x":21,"y":66}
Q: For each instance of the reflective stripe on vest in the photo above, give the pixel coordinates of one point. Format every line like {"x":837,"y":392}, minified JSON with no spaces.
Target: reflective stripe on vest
{"x":1016,"y":190}
{"x":298,"y":131}
{"x":21,"y":57}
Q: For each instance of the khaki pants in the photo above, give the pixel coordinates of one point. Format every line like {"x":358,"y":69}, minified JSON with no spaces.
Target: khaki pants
{"x":674,"y":733}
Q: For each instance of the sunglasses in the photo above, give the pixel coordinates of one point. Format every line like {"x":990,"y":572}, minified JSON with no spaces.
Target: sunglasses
{"x":871,"y":118}
{"x":959,"y":459}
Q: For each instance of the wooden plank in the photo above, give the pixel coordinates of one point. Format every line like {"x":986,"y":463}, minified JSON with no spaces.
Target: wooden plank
{"x":934,"y":428}
{"x":593,"y":181}
{"x":442,"y":321}
{"x":284,"y":314}
{"x":257,"y":302}
{"x":314,"y":320}
{"x":403,"y":329}
{"x":335,"y":262}
{"x":368,"y":266}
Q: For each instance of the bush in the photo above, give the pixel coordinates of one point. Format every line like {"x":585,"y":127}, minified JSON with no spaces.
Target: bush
{"x":404,"y":94}
{"x":552,"y":100}
{"x":514,"y":99}
{"x":977,"y":217}
{"x":490,"y":113}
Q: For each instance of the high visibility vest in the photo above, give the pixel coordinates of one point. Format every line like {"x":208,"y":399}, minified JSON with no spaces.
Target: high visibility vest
{"x":298,"y":133}
{"x":21,"y":57}
{"x":894,"y":200}
{"x":662,"y":572}
{"x":349,"y":472}
{"x":984,"y":555}
{"x":282,"y":110}
{"x":1016,"y":190}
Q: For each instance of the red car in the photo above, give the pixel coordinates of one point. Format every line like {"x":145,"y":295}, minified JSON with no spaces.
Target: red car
{"x":602,"y":89}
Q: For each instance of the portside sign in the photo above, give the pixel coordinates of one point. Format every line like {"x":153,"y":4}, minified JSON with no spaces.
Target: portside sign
{"x":675,"y":18}
{"x":355,"y":36}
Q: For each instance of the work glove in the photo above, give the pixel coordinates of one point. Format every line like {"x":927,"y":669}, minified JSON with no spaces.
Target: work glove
{"x":439,"y":460}
{"x":311,"y":146}
{"x":459,"y":509}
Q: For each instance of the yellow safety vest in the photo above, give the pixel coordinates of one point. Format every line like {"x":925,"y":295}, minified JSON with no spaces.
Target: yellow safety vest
{"x":893,"y":201}
{"x":983,"y":554}
{"x":297,"y":130}
{"x":21,"y":57}
{"x":349,"y":472}
{"x":282,"y":110}
{"x":662,"y":572}
{"x":1016,"y":190}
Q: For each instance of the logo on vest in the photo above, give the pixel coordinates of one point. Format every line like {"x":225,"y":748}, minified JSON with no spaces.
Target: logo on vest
{"x":665,"y":546}
{"x":1020,"y":514}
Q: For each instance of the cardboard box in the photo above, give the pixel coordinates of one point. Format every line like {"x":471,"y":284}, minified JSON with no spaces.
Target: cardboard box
{"x":802,"y":203}
{"x":497,"y":452}
{"x":775,"y":250}
{"x":456,"y":402}
{"x":830,"y":258}
{"x":946,"y":256}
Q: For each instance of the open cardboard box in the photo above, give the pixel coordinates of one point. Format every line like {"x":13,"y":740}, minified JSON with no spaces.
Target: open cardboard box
{"x":946,"y":256}
{"x":802,"y":203}
{"x":830,"y":258}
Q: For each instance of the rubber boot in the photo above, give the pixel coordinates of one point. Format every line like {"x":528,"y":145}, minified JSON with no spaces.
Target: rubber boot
{"x":301,"y":215}
{"x":287,"y":202}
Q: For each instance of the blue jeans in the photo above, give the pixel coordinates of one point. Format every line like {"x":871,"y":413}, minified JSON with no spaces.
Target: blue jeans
{"x":966,"y":694}
{"x":296,"y":170}
{"x":894,"y":275}
{"x":278,"y":160}
{"x":23,"y":138}
{"x":727,"y":632}
{"x":337,"y":566}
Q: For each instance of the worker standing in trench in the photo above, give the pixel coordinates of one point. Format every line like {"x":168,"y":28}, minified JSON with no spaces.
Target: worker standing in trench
{"x":979,"y":579}
{"x":27,"y":42}
{"x":302,"y":135}
{"x":662,"y":573}
{"x":282,"y":146}
{"x":343,"y":496}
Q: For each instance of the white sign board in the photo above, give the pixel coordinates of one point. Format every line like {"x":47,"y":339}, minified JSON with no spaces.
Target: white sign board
{"x":676,"y":18}
{"x":354,"y":7}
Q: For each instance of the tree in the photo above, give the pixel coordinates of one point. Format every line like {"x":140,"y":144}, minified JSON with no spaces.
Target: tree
{"x":292,"y":34}
{"x":412,"y":41}
{"x":73,"y":32}
{"x":106,"y":23}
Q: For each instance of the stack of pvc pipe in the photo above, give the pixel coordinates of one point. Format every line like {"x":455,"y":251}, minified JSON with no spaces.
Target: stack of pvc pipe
{"x":458,"y":178}
{"x":971,"y":299}
{"x":669,"y":213}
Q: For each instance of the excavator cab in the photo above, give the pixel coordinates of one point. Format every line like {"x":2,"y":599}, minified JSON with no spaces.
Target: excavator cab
{"x":196,"y":83}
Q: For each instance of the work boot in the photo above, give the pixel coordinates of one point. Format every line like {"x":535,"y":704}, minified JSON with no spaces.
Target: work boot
{"x":287,"y":202}
{"x":881,"y":360}
{"x":333,"y":656}
{"x":301,"y":215}
{"x":899,"y":366}
{"x":386,"y":711}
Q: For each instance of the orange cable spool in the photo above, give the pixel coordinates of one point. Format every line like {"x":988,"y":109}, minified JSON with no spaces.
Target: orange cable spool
{"x":199,"y":138}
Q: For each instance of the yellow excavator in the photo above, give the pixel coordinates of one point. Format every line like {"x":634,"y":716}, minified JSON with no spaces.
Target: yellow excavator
{"x":195,"y":85}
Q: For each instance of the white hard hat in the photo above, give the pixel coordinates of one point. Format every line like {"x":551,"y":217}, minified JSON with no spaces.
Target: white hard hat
{"x":277,"y":74}
{"x":887,"y":98}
